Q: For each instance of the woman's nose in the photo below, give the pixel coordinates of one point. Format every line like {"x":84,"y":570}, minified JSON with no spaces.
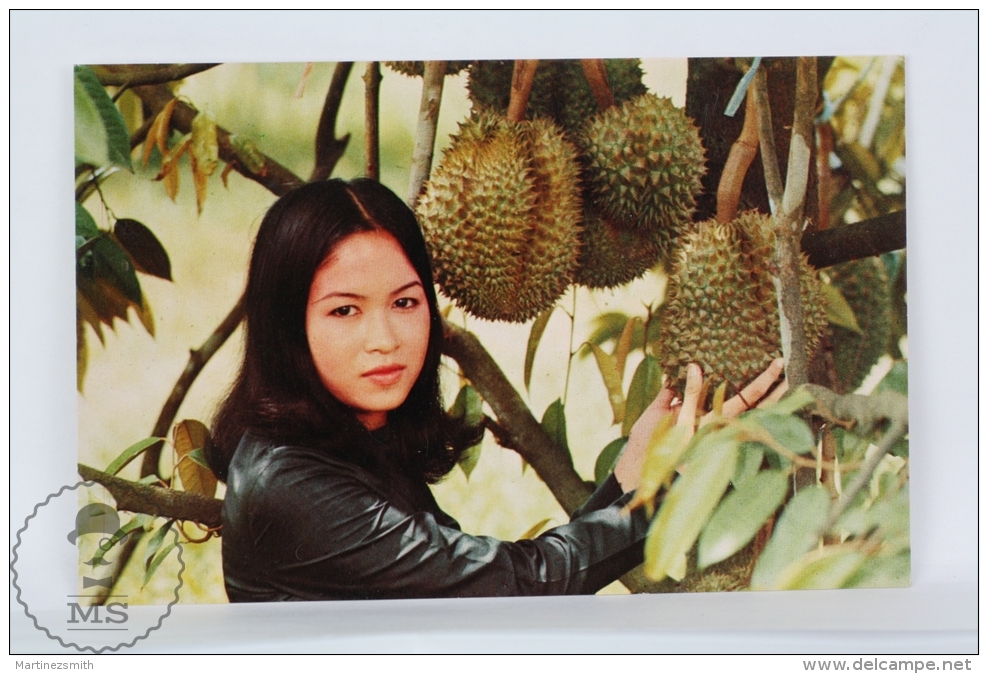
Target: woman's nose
{"x":381,"y":333}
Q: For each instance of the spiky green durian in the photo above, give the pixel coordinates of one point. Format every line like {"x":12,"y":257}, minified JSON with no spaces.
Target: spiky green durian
{"x":560,"y":90}
{"x":721,"y":309}
{"x":612,"y":255}
{"x":865,"y":285}
{"x":417,"y":68}
{"x":644,"y":161}
{"x":501,"y":216}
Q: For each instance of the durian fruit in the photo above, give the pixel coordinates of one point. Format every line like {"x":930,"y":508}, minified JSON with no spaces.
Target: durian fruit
{"x":866,"y":287}
{"x":501,"y":215}
{"x":644,"y":161}
{"x":721,"y":309}
{"x":612,"y":255}
{"x":560,"y":90}
{"x":417,"y":68}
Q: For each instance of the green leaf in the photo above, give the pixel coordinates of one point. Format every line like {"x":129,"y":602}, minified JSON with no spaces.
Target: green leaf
{"x":155,"y":542}
{"x":156,"y":562}
{"x":121,"y":534}
{"x":740,"y":515}
{"x":146,"y":252}
{"x":468,"y":407}
{"x":554,"y":423}
{"x":535,"y":529}
{"x":897,"y":379}
{"x":198,"y":456}
{"x":689,"y":503}
{"x":793,"y":402}
{"x":111,"y":265}
{"x":101,"y":137}
{"x":839,"y":312}
{"x":645,"y":385}
{"x":534,"y":337}
{"x":607,"y":459}
{"x":788,"y":430}
{"x":131,"y":453}
{"x":612,"y":381}
{"x":85,"y":226}
{"x":665,"y":450}
{"x":608,"y":326}
{"x":750,"y":459}
{"x":827,"y":569}
{"x":795,"y":533}
{"x":468,"y":459}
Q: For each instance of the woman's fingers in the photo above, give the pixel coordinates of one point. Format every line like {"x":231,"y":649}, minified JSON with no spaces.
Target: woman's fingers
{"x":629,"y":467}
{"x":775,"y":396}
{"x":752,"y":393}
{"x":691,"y":399}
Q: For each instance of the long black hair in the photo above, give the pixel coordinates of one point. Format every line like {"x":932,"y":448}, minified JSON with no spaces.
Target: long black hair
{"x":278,"y":394}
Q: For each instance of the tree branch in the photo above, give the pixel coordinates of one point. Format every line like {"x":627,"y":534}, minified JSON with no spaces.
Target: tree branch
{"x":157,"y":501}
{"x":787,"y":222}
{"x":143,"y":74}
{"x":522,"y":79}
{"x":739,"y":159}
{"x":269,"y":173}
{"x":553,"y":464}
{"x":329,"y":148}
{"x":197,"y":361}
{"x":372,"y":105}
{"x":425,"y":132}
{"x":860,"y":239}
{"x":596,"y":74}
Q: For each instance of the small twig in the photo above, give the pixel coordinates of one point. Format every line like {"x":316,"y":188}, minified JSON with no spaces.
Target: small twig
{"x":766,"y":140}
{"x":372,"y":102}
{"x":521,"y":88}
{"x":596,"y":75}
{"x":739,"y":159}
{"x":425,"y":131}
{"x":197,"y":361}
{"x":329,"y":148}
{"x":877,"y":102}
{"x":895,"y":433}
{"x":824,"y":176}
{"x":139,"y":75}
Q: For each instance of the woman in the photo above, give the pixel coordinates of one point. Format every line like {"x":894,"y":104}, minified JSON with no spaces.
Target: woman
{"x":335,"y":427}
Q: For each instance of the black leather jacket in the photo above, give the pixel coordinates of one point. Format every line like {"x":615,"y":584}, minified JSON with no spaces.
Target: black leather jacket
{"x":299,"y":524}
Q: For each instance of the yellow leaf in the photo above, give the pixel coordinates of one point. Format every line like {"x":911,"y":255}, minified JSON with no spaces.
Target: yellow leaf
{"x":623,"y":347}
{"x":205,"y":144}
{"x":531,"y":533}
{"x":612,"y":381}
{"x":166,"y":121}
{"x":190,"y":435}
{"x":169,"y":167}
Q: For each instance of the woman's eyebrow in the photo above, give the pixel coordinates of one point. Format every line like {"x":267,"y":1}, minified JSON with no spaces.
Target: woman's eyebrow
{"x":410,"y":284}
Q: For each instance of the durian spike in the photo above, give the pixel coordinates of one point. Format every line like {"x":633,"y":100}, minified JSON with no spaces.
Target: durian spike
{"x":596,"y":75}
{"x":521,"y":88}
{"x":739,"y":159}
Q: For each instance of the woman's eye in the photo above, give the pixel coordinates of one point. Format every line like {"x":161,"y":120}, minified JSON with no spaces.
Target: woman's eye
{"x":343,"y":311}
{"x":406,"y":303}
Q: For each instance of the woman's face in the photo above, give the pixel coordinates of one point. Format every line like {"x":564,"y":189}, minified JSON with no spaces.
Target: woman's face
{"x":367,"y":322}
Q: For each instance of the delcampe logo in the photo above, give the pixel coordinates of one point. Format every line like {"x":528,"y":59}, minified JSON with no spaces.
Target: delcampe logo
{"x":62,"y":566}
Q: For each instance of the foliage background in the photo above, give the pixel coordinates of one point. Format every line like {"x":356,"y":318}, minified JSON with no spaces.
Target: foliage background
{"x":941,"y":57}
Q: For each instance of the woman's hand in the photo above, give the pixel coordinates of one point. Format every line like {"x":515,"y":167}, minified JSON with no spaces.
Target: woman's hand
{"x":629,"y":467}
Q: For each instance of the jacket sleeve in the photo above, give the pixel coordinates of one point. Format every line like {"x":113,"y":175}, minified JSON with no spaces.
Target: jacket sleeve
{"x":328,"y":534}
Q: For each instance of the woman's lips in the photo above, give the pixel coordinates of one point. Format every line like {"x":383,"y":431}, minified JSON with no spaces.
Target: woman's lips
{"x":385,"y":375}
